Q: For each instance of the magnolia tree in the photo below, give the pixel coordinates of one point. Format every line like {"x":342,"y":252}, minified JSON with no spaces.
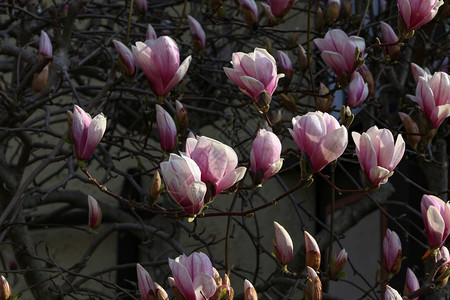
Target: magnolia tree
{"x":209,"y":99}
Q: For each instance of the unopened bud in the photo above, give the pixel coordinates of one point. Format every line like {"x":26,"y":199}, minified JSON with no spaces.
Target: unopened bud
{"x":314,"y":285}
{"x":126,"y":58}
{"x":319,"y":19}
{"x":312,"y":252}
{"x":95,"y":213}
{"x":289,"y":102}
{"x":269,"y":14}
{"x":333,"y":9}
{"x":141,"y":5}
{"x":150,"y":34}
{"x":40,"y":80}
{"x":346,"y":115}
{"x":347,"y":8}
{"x":303,"y":58}
{"x":181,"y":114}
{"x":411,"y":128}
{"x":285,"y":68}
{"x":198,"y":34}
{"x":5,"y":290}
{"x":411,"y":283}
{"x":155,"y":189}
{"x":324,"y":102}
{"x":249,"y":291}
{"x":338,"y":264}
{"x":250,"y":11}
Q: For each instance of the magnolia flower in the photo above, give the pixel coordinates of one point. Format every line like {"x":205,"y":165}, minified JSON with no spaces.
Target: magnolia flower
{"x":198,"y":34}
{"x":436,"y":217}
{"x":284,"y":248}
{"x":95,"y":213}
{"x":411,"y":283}
{"x":183,"y":182}
{"x":358,"y":90}
{"x":166,"y":128}
{"x":320,"y":136}
{"x":391,"y":294}
{"x":254,"y":73}
{"x":280,"y":8}
{"x":86,"y":132}
{"x":216,"y":161}
{"x":433,"y":96}
{"x":338,"y":51}
{"x":392,"y":252}
{"x":416,"y":13}
{"x":265,"y":155}
{"x":126,"y":58}
{"x":193,"y":276}
{"x":377,"y":153}
{"x":160,"y":61}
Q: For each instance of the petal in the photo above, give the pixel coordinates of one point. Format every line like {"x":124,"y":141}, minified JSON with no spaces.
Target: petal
{"x":435,"y":227}
{"x":439,"y":114}
{"x":367,"y":154}
{"x":253,"y":86}
{"x":379,"y":175}
{"x":335,"y":61}
{"x":166,"y":56}
{"x":331,"y":147}
{"x":196,"y":192}
{"x":94,"y":135}
{"x":204,"y":286}
{"x":399,"y":150}
{"x":230,"y":179}
{"x":179,"y":74}
{"x":273,"y":169}
{"x":182,"y":279}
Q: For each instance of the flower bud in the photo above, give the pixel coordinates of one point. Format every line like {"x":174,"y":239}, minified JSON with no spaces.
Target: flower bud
{"x":324,"y":103}
{"x":141,"y":5}
{"x":285,"y":67}
{"x":391,"y":294}
{"x":319,"y":19}
{"x":272,"y":19}
{"x":338,"y":264}
{"x":302,"y":58}
{"x":95,"y":213}
{"x":411,"y":283}
{"x":150,"y":34}
{"x":167,"y":129}
{"x":389,"y":37}
{"x":347,"y":8}
{"x":411,"y":128}
{"x":442,"y":274}
{"x":5,"y":290}
{"x":198,"y":34}
{"x":250,"y":11}
{"x":126,"y":58}
{"x":314,"y":285}
{"x":284,"y":249}
{"x":392,"y":252}
{"x":358,"y":90}
{"x":333,"y":9}
{"x":182,"y":115}
{"x":249,"y":291}
{"x":155,"y":189}
{"x":312,"y":252}
{"x":346,"y":116}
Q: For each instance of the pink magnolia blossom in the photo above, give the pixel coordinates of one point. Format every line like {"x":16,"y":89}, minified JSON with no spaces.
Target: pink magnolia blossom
{"x":313,"y":256}
{"x":320,"y":136}
{"x":150,"y":33}
{"x":280,"y":8}
{"x":87,"y":132}
{"x":216,"y":161}
{"x":45,"y":45}
{"x":160,"y":61}
{"x":392,"y":252}
{"x":198,"y":34}
{"x":254,"y":72}
{"x":126,"y":58}
{"x":416,"y":13}
{"x":95,"y":213}
{"x":338,"y":50}
{"x":166,"y":128}
{"x":443,"y":253}
{"x":411,"y":283}
{"x":193,"y":276}
{"x":284,"y":248}
{"x":358,"y":90}
{"x":183,"y":182}
{"x":377,"y":153}
{"x":285,"y":65}
{"x":391,"y":294}
{"x":433,"y":96}
{"x":436,"y":217}
{"x":265,"y":154}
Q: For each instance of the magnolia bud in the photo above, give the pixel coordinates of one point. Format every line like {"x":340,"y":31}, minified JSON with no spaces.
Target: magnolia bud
{"x":411,"y":128}
{"x":392,"y":252}
{"x":324,"y":103}
{"x":126,"y":58}
{"x":333,"y":9}
{"x":314,"y":285}
{"x":40,"y":80}
{"x":319,"y":19}
{"x":182,"y":115}
{"x":312,"y":252}
{"x":389,"y":37}
{"x":5,"y":290}
{"x":249,"y":291}
{"x":95,"y":213}
{"x":338,"y":264}
{"x":167,"y":130}
{"x":150,"y":34}
{"x":411,"y":283}
{"x":347,"y":8}
{"x":284,"y":249}
{"x":285,"y":68}
{"x":155,"y":189}
{"x":198,"y":34}
{"x":302,"y":58}
{"x":346,"y":116}
{"x":250,"y":11}
{"x":272,"y":19}
{"x":45,"y":45}
{"x":140,"y":5}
